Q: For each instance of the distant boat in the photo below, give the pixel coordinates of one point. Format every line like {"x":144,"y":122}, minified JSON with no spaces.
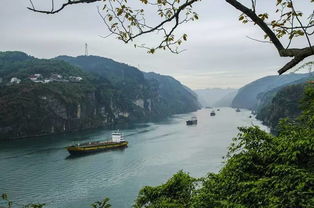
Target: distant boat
{"x":218,"y":109}
{"x":238,"y":110}
{"x":212,"y":113}
{"x":208,"y":107}
{"x":192,"y":121}
{"x":116,"y":141}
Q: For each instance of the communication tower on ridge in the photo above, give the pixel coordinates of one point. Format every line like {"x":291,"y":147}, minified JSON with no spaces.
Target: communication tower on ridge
{"x":86,"y":49}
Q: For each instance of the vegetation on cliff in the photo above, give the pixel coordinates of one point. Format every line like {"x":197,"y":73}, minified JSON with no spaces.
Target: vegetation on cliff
{"x":284,"y":104}
{"x":40,"y":96}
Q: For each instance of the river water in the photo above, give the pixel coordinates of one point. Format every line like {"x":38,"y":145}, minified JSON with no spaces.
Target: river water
{"x":39,"y":169}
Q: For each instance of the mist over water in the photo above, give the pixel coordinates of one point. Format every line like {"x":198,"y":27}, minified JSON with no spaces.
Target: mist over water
{"x":40,"y":169}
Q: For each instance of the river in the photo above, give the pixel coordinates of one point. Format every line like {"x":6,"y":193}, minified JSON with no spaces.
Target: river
{"x":39,"y":169}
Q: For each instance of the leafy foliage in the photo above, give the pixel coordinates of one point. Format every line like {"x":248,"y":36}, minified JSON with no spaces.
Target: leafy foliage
{"x":176,"y":192}
{"x":101,"y":204}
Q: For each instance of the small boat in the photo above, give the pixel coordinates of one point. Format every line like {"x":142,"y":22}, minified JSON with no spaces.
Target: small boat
{"x":117,"y":141}
{"x":208,"y":107}
{"x":218,"y":109}
{"x":192,"y":121}
{"x":238,"y":110}
{"x":212,"y":113}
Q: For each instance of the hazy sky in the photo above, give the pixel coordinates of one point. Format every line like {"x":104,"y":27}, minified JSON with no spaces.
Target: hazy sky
{"x":218,"y":53}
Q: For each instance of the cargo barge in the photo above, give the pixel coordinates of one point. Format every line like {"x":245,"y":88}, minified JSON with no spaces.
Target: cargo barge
{"x":117,"y":141}
{"x":192,"y":121}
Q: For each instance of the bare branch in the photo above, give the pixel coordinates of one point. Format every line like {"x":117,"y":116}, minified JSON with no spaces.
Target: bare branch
{"x":52,"y":11}
{"x":261,"y":41}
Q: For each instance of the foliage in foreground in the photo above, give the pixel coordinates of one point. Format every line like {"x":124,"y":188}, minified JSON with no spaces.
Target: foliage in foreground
{"x":261,"y":170}
{"x":10,"y":204}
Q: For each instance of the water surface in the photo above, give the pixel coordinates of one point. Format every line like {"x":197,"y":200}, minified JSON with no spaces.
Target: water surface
{"x":40,"y":169}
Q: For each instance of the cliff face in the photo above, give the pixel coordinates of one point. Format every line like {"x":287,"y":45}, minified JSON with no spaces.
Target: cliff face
{"x":74,"y":99}
{"x":34,"y":109}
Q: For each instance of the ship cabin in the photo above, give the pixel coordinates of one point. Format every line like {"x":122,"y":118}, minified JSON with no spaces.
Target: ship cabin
{"x":117,"y":137}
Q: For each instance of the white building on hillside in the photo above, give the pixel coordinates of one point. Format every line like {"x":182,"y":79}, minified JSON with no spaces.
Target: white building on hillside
{"x":15,"y":80}
{"x":35,"y":77}
{"x":75,"y":79}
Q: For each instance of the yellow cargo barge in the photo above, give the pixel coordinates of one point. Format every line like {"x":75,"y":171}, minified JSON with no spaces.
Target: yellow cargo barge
{"x":117,"y":141}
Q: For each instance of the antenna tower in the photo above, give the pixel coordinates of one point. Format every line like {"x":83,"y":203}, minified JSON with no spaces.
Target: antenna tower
{"x":86,"y":49}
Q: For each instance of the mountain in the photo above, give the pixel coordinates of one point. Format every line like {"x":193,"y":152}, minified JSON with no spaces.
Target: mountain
{"x":67,"y":94}
{"x":215,"y":96}
{"x":164,"y":94}
{"x":173,"y":95}
{"x":247,"y":96}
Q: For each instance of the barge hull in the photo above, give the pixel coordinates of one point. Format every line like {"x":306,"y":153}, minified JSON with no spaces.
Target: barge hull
{"x":77,"y":150}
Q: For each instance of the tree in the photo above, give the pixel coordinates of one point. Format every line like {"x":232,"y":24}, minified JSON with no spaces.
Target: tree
{"x":127,"y":23}
{"x":175,"y":193}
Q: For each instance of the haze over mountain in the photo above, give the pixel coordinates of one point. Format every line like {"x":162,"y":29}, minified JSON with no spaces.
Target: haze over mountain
{"x":247,"y":96}
{"x":215,"y":96}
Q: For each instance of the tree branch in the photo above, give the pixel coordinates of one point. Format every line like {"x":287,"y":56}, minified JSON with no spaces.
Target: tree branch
{"x":52,"y":11}
{"x":250,"y":13}
{"x":298,"y":54}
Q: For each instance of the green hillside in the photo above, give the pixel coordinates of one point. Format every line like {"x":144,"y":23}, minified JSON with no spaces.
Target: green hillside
{"x":47,"y":96}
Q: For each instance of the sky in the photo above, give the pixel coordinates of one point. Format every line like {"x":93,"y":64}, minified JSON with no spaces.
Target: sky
{"x":218,"y":52}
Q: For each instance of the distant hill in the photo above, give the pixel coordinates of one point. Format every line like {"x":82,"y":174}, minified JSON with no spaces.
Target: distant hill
{"x":66,"y":94}
{"x":247,"y":96}
{"x":226,"y":101}
{"x":215,"y":97}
